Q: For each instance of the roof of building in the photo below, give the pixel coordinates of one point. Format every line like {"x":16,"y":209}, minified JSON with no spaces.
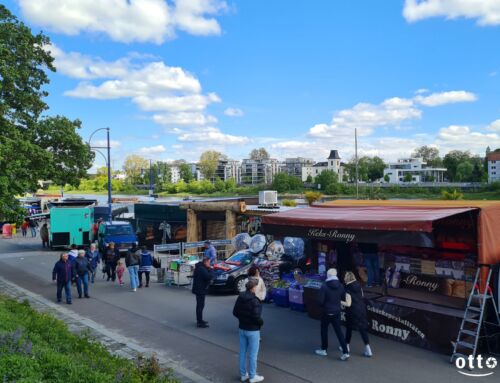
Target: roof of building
{"x":495,"y":156}
{"x":320,"y":164}
{"x":334,"y":155}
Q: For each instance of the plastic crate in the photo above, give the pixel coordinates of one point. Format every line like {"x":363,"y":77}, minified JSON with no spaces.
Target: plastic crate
{"x":296,"y":296}
{"x":298,"y":307}
{"x":280,"y":297}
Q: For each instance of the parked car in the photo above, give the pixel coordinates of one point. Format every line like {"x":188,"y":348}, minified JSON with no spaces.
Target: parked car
{"x":119,"y":232}
{"x":232,"y":273}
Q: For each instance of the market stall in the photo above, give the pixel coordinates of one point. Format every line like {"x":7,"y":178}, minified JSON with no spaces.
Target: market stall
{"x":417,"y":262}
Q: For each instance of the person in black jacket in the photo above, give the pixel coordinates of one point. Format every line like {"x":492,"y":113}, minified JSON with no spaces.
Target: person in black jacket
{"x":82,"y":269}
{"x":330,"y":296}
{"x":248,"y":310}
{"x":63,"y":275}
{"x":111,"y":258}
{"x":202,"y":277}
{"x":356,"y":315}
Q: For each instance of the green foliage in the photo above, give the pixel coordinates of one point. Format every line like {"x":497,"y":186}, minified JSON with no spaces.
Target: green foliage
{"x":369,"y":168}
{"x":259,"y":154}
{"x":219,"y":185}
{"x":334,"y":188}
{"x":408,"y":177}
{"x":312,"y":196}
{"x":309,"y":179}
{"x":464,"y":171}
{"x":231,"y":185}
{"x":289,"y":202}
{"x":429,"y":155}
{"x":387,"y":178}
{"x":454,"y":195}
{"x":36,"y":347}
{"x":209,"y":161}
{"x":134,"y":166}
{"x":326,"y":178}
{"x":283,"y":182}
{"x":185,"y":172}
{"x":452,"y":160}
{"x":31,"y":148}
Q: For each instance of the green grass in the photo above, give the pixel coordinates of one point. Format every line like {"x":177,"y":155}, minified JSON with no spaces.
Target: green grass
{"x":36,"y":347}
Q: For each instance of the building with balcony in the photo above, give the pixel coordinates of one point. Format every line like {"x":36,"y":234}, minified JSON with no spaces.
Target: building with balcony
{"x":413,"y":170}
{"x":494,"y":167}
{"x":293,"y":166}
{"x":262,"y":171}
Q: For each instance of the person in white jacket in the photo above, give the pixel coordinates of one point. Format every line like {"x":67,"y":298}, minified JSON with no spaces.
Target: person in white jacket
{"x":260,"y":291}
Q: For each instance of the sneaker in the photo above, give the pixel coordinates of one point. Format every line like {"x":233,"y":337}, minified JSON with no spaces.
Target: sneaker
{"x":321,"y":352}
{"x":134,"y":290}
{"x":205,"y":325}
{"x":348,"y":348}
{"x":368,"y":351}
{"x":344,"y":357}
{"x":58,"y":301}
{"x":245,"y":377}
{"x":147,"y":285}
{"x":257,"y":378}
{"x":87,"y":296}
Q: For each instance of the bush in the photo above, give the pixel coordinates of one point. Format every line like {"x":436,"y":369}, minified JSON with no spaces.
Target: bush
{"x":289,"y":202}
{"x":454,"y":195}
{"x":312,"y":196}
{"x":36,"y":347}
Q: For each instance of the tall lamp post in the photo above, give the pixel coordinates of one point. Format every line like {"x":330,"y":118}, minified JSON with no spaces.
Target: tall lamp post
{"x":108,"y":164}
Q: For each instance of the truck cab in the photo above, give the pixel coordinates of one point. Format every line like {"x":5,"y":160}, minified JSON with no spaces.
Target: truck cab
{"x":120,"y":233}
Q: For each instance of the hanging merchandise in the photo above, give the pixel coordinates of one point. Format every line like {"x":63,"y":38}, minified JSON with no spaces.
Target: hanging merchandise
{"x":241,"y":241}
{"x":294,"y":247}
{"x":275,"y":250}
{"x":258,"y":243}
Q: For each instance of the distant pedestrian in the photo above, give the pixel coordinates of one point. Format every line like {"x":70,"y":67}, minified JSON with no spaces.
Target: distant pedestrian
{"x":33,"y":227}
{"x":210,"y":252}
{"x":95,"y":228}
{"x":146,"y":265}
{"x":332,"y":292}
{"x":94,"y":257}
{"x":63,"y":274}
{"x":132,"y":261}
{"x":44,"y":235}
{"x":24,"y":227}
{"x":248,"y":310}
{"x":111,"y":258}
{"x":82,"y":271}
{"x":356,"y":314}
{"x":260,"y":290}
{"x":120,"y":270}
{"x":202,"y":277}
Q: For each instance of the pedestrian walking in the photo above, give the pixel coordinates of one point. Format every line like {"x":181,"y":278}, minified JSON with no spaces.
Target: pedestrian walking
{"x":132,"y":261}
{"x":24,"y":227}
{"x":82,"y":271}
{"x":260,"y":290}
{"x":63,"y":275}
{"x":210,"y":252}
{"x":331,"y":294}
{"x":111,"y":258}
{"x":44,"y":235}
{"x":73,"y":253}
{"x":94,"y":257}
{"x":248,"y":310}
{"x":356,"y":314}
{"x":146,"y":265}
{"x":33,"y":226}
{"x":202,"y":277}
{"x":120,"y":270}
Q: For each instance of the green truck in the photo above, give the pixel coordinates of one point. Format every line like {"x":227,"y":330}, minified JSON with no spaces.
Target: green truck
{"x":71,"y":224}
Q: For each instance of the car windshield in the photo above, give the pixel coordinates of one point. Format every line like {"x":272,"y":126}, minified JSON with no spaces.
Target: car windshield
{"x":240,"y":258}
{"x":118,"y":230}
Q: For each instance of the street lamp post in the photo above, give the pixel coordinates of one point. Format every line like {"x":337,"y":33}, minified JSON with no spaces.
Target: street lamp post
{"x":108,"y":164}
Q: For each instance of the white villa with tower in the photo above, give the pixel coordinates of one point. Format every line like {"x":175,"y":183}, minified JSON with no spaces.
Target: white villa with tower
{"x":333,"y":163}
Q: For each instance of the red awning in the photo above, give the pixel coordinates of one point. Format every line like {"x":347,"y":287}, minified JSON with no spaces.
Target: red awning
{"x":415,"y":219}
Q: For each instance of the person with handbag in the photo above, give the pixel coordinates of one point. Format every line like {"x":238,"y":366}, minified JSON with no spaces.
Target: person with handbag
{"x":356,"y":314}
{"x":331,"y":294}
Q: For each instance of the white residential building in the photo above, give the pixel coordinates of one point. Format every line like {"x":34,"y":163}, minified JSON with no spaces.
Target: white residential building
{"x":175,"y":174}
{"x":262,"y":171}
{"x":416,"y":168}
{"x":293,"y":166}
{"x":333,"y":164}
{"x":494,"y":167}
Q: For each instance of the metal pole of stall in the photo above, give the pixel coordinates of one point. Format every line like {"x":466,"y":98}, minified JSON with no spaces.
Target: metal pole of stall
{"x":356,"y":159}
{"x":109,"y":179}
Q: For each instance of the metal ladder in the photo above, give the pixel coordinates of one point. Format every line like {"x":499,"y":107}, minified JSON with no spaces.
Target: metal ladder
{"x":470,"y":329}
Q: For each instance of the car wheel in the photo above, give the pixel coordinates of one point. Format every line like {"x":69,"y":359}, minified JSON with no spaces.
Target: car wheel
{"x":239,"y":284}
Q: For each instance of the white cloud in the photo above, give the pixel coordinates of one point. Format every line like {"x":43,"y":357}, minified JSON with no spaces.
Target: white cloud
{"x":184,"y":118}
{"x":212,"y":135}
{"x":148,"y":150}
{"x":494,"y":126}
{"x":366,"y":117}
{"x":487,"y":12}
{"x":189,"y":103}
{"x":233,"y":112}
{"x":452,"y":97}
{"x":422,"y":91}
{"x":103,"y":143}
{"x":126,"y":20}
{"x":457,"y":137}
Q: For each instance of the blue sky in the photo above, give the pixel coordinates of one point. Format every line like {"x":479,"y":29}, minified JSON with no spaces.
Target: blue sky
{"x":173,"y":78}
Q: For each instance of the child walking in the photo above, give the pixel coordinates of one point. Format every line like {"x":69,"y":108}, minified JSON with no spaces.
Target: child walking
{"x":120,"y":270}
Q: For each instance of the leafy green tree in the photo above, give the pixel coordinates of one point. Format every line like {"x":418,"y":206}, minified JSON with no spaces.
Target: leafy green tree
{"x":134,"y":167}
{"x":452,"y":160}
{"x":281,"y":183}
{"x":408,"y":177}
{"x":259,"y":154}
{"x":429,"y":155}
{"x":209,"y":160}
{"x":387,"y":178}
{"x":309,"y":179}
{"x":185,"y":172}
{"x":326,"y":178}
{"x":374,"y":168}
{"x":219,"y":185}
{"x":31,"y":148}
{"x":231,"y":185}
{"x":464,"y":171}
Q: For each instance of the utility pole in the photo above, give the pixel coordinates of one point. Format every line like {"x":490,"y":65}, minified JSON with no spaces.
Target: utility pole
{"x":150,"y":179}
{"x":110,"y":202}
{"x":356,"y":159}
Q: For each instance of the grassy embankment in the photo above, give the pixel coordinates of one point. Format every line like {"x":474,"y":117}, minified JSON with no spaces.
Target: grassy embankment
{"x":36,"y":347}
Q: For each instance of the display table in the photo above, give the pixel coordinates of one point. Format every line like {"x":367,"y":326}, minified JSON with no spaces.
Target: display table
{"x":419,"y":324}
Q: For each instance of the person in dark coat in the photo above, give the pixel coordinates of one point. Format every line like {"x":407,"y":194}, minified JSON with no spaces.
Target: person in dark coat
{"x":202,"y":277}
{"x":94,"y":257}
{"x":82,"y":271}
{"x":63,"y":275}
{"x":248,"y":310}
{"x":356,"y":314}
{"x":331,"y":294}
{"x":111,"y":258}
{"x":133,"y":261}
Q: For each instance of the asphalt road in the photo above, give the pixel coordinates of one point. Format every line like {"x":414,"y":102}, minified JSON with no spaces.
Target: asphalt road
{"x":163,"y":318}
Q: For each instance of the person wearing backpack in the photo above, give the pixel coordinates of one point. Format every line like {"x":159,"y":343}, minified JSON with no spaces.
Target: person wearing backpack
{"x":146,"y":265}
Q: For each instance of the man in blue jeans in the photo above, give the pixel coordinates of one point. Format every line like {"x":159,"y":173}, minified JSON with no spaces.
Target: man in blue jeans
{"x":248,"y":310}
{"x":63,"y":275}
{"x":82,"y":271}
